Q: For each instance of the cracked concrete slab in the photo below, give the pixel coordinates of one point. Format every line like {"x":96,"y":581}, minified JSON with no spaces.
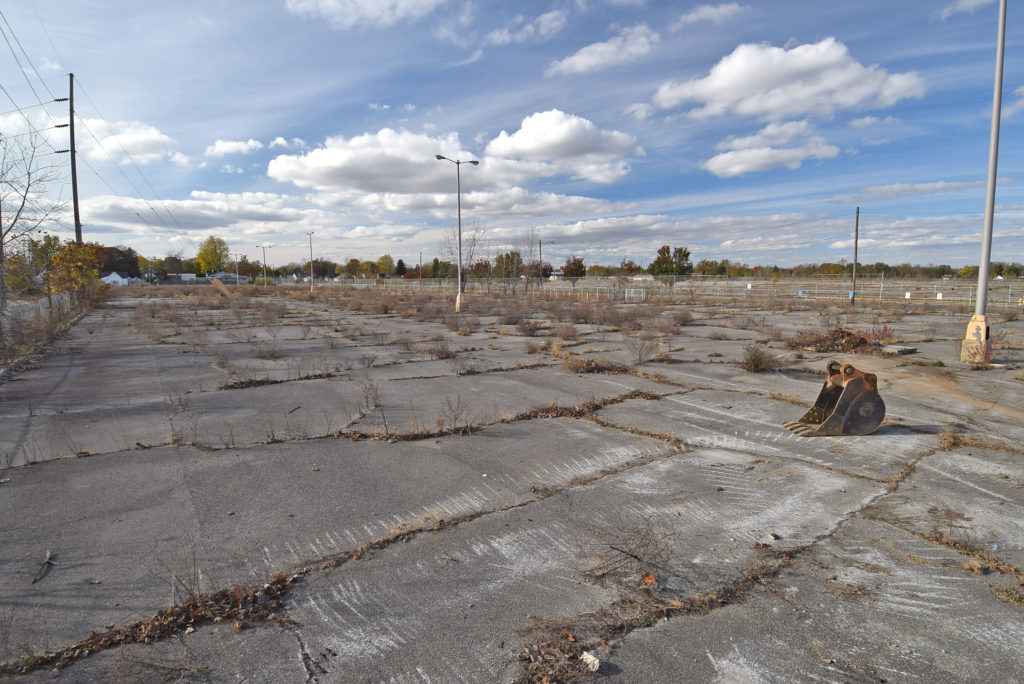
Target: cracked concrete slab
{"x":418,"y":556}
{"x":870,"y":603}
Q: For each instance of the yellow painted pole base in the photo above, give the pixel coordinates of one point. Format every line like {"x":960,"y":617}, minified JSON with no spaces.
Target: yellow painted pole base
{"x":976,"y":347}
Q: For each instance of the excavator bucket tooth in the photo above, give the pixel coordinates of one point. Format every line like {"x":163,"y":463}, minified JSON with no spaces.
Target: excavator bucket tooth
{"x":848,"y":404}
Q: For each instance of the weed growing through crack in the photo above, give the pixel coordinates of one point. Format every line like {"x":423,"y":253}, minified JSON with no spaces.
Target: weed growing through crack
{"x":642,"y":347}
{"x":954,"y":437}
{"x":369,"y":392}
{"x":635,"y":549}
{"x":454,"y":413}
{"x":758,"y":359}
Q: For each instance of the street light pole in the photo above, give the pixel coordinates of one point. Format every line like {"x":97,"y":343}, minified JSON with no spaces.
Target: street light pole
{"x":977,"y":343}
{"x":310,"y":234}
{"x":540,"y":254}
{"x":236,"y":269}
{"x":264,"y":247}
{"x":458,"y":203}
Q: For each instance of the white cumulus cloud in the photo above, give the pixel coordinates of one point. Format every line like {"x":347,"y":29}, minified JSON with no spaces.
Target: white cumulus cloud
{"x":867,"y":121}
{"x":387,"y":161}
{"x":279,"y":141}
{"x":713,"y":14}
{"x":124,"y":141}
{"x":631,"y":44}
{"x":541,"y":28}
{"x":739,"y":162}
{"x":959,"y":6}
{"x":772,"y":134}
{"x":767,"y":82}
{"x":346,"y":14}
{"x":765,"y":150}
{"x":570,"y":142}
{"x":221,"y":148}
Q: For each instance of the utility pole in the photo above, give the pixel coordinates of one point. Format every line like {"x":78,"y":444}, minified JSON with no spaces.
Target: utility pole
{"x":977,"y":344}
{"x":856,"y":242}
{"x":310,"y":234}
{"x":74,"y":169}
{"x":70,"y":99}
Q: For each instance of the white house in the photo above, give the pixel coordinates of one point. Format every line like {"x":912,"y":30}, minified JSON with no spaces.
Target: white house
{"x":115,"y":278}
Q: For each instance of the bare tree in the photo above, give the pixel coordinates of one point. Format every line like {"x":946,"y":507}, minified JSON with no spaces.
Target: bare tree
{"x":472,"y":246}
{"x":25,"y":205}
{"x":528,"y":245}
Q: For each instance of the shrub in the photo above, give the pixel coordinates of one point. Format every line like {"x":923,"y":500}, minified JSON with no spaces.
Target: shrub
{"x":682,"y":316}
{"x":758,"y":359}
{"x":642,"y":347}
{"x":596,"y":364}
{"x":567,"y":331}
{"x":439,"y":350}
{"x":528,"y":327}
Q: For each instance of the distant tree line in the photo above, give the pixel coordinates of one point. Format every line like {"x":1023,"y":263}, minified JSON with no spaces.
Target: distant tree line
{"x":24,"y":265}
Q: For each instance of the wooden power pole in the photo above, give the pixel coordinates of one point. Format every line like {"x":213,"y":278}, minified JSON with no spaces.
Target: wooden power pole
{"x":74,"y":169}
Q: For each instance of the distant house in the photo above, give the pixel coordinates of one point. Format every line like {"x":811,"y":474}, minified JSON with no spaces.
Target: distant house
{"x":116,"y":278}
{"x":229,"y":278}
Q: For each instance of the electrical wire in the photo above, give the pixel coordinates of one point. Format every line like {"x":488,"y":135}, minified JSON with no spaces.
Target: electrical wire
{"x":60,"y":62}
{"x":130,"y":158}
{"x":20,"y":110}
{"x":27,"y":58}
{"x":3,"y":22}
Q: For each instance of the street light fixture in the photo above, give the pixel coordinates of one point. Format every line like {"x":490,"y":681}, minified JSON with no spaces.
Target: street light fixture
{"x":458,"y":202}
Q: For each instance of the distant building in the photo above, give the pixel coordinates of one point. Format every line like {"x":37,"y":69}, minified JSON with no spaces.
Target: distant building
{"x":116,"y":278}
{"x":229,"y":278}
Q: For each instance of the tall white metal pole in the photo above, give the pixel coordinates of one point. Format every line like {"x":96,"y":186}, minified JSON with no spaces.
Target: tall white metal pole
{"x":976,"y":345}
{"x":310,"y":261}
{"x":458,"y":204}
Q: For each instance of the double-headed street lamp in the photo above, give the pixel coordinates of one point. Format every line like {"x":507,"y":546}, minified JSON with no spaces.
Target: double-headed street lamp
{"x":458,"y":203}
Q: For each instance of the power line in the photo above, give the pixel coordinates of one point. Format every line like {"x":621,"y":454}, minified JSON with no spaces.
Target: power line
{"x":180,"y":231}
{"x":28,"y":80}
{"x":12,"y":111}
{"x":20,"y":110}
{"x":132,"y":210}
{"x":60,"y":61}
{"x":129,"y":157}
{"x":27,"y":58}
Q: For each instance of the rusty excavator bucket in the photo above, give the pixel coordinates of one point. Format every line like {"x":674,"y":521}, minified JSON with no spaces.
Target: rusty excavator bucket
{"x":848,"y":404}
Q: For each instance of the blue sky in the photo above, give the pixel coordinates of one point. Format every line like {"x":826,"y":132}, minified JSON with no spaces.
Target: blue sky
{"x":744,"y":130}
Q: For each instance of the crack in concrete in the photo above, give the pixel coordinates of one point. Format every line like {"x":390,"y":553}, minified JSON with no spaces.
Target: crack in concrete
{"x":561,"y":661}
{"x":312,"y":668}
